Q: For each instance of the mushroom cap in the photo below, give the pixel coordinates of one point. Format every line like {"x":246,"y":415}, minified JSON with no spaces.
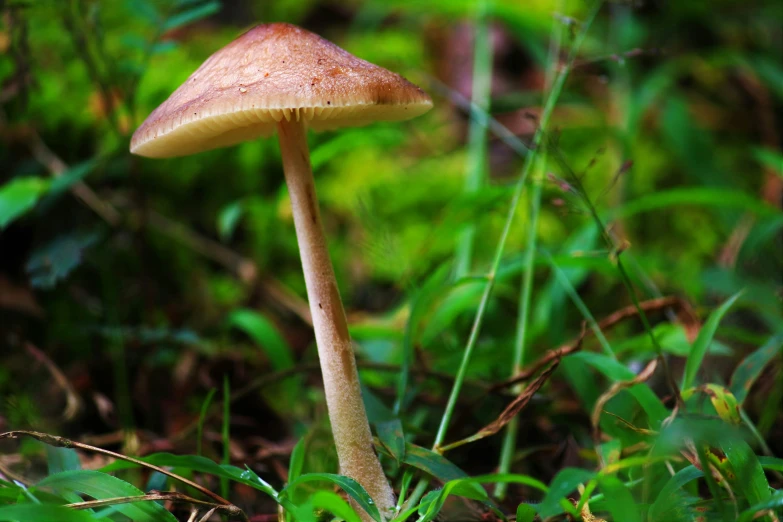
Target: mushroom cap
{"x":270,"y":73}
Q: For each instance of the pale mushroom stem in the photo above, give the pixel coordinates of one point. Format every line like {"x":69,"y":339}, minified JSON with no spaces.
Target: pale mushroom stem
{"x":341,"y":381}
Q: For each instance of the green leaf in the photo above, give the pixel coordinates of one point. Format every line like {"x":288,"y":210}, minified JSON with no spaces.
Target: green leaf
{"x":724,"y":402}
{"x":672,"y":504}
{"x":433,"y":463}
{"x":615,"y":370}
{"x":347,"y":484}
{"x":265,"y":334}
{"x":774,"y":502}
{"x":229,"y":218}
{"x":420,"y":304}
{"x":334,"y":504}
{"x":18,"y":196}
{"x":699,"y":196}
{"x":750,"y":478}
{"x":43,"y":513}
{"x":565,"y":482}
{"x":199,"y":464}
{"x":771,"y":463}
{"x":73,"y":175}
{"x":53,"y":261}
{"x":671,"y":337}
{"x":751,"y":367}
{"x":619,"y":500}
{"x":392,"y":438}
{"x":194,"y":14}
{"x":102,"y":486}
{"x":525,"y":513}
{"x":62,"y":459}
{"x":296,"y":463}
{"x":469,"y":487}
{"x":770,"y":158}
{"x":699,"y":349}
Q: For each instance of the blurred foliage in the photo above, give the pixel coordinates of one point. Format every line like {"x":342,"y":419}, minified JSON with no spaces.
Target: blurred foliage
{"x":145,"y":282}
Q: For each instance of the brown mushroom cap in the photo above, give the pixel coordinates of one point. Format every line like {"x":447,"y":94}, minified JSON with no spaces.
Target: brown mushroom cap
{"x":270,"y":73}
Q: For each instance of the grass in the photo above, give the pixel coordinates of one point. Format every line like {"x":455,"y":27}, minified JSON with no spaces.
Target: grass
{"x":628,"y":419}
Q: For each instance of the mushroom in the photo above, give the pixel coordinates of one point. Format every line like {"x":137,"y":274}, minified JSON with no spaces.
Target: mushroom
{"x":279,"y":77}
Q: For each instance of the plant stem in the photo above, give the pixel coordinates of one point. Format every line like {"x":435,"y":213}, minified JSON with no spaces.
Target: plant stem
{"x":350,"y":427}
{"x":557,"y":88}
{"x":477,"y":133}
{"x":510,"y":437}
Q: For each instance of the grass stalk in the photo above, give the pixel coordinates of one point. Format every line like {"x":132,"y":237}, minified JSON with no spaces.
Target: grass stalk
{"x":518,"y":362}
{"x":557,"y":88}
{"x":477,"y":132}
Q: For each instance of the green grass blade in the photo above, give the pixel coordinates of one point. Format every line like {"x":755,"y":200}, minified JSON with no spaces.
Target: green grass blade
{"x":546,"y":114}
{"x":751,"y":367}
{"x":226,"y":433}
{"x":702,"y":343}
{"x":748,"y":470}
{"x":477,"y":132}
{"x":43,"y":513}
{"x":619,"y":500}
{"x":347,"y":484}
{"x":202,"y":417}
{"x":774,"y":503}
{"x":102,"y":486}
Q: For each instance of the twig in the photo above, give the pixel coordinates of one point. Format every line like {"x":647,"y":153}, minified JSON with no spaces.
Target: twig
{"x":57,"y":167}
{"x":62,"y":442}
{"x":154,"y":495}
{"x":686,"y":315}
{"x":73,"y":403}
{"x":244,"y":268}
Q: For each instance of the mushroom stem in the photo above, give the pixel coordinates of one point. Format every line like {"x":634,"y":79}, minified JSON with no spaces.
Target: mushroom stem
{"x":341,"y":381}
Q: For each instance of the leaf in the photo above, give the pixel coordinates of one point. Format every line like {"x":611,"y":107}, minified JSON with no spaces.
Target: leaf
{"x":699,"y":349}
{"x":392,"y":438}
{"x":770,"y":159}
{"x":750,"y":478}
{"x":671,"y":337}
{"x":73,"y":175}
{"x":334,"y":504}
{"x":265,"y":334}
{"x":377,"y":411}
{"x":672,"y":504}
{"x":61,"y":459}
{"x":700,"y":196}
{"x":102,"y":486}
{"x":772,"y":463}
{"x":420,"y":304}
{"x":525,"y":513}
{"x":467,"y":487}
{"x":18,"y":196}
{"x":751,"y":367}
{"x":42,"y":513}
{"x":562,"y":485}
{"x":619,"y":500}
{"x":199,"y":464}
{"x":53,"y":261}
{"x":774,"y":502}
{"x":433,"y":463}
{"x":191,"y":15}
{"x":617,"y":387}
{"x":724,"y":402}
{"x":296,"y":463}
{"x":229,"y":218}
{"x":347,"y":484}
{"x":615,"y":370}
